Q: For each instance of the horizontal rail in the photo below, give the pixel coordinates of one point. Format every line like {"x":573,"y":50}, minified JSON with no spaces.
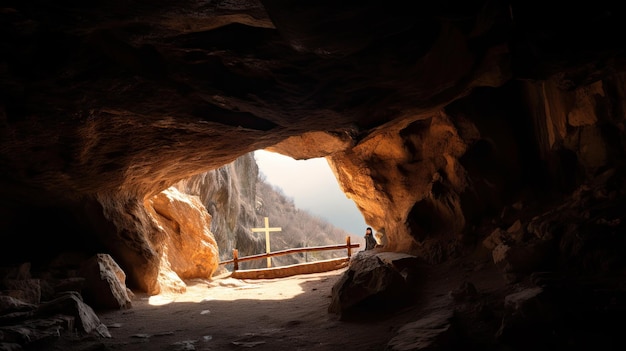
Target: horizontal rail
{"x":292,"y":251}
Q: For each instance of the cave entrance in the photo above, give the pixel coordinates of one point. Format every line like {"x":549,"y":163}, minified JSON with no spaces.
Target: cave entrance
{"x":313,"y":187}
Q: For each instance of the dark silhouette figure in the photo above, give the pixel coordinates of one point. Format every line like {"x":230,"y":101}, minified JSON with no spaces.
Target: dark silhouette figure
{"x":370,"y":241}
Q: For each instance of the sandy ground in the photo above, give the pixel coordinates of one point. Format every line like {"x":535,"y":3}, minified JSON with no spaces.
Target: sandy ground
{"x":232,"y":314}
{"x":267,"y":314}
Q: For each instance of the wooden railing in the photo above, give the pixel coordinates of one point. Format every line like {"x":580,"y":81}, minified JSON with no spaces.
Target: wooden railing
{"x":236,"y":259}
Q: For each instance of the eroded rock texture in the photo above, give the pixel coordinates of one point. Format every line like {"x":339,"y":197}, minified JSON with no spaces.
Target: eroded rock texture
{"x":441,"y":120}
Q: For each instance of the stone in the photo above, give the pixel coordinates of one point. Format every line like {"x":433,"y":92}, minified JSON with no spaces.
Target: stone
{"x":72,"y":304}
{"x":10,"y":304}
{"x":497,"y":237}
{"x":433,"y":332}
{"x":466,"y":291}
{"x":190,"y":248}
{"x":528,"y":318}
{"x":517,"y":261}
{"x":371,"y":285}
{"x":105,"y":286}
{"x":27,"y":290}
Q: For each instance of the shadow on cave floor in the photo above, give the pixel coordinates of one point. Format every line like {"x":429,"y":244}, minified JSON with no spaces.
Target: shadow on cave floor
{"x":231,"y":314}
{"x":286,"y":313}
{"x":292,"y":314}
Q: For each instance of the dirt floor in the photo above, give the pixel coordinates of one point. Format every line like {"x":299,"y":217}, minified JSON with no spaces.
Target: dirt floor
{"x":269,"y":314}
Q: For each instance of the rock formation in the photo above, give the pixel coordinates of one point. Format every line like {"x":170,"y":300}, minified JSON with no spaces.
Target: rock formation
{"x":229,"y":195}
{"x":444,"y":122}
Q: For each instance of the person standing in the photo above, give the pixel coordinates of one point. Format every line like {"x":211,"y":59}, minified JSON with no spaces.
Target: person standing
{"x":370,"y":241}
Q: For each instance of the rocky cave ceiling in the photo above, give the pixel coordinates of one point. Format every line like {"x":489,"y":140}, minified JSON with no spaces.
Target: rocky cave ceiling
{"x":434,"y":115}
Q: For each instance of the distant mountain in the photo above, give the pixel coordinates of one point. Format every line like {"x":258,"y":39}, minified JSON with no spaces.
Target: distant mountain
{"x":238,"y":198}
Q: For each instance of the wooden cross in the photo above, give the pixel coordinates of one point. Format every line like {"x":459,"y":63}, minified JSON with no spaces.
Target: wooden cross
{"x":267,"y":231}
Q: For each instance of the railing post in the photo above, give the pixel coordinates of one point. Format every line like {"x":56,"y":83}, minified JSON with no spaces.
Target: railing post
{"x":235,"y":260}
{"x":348,"y":244}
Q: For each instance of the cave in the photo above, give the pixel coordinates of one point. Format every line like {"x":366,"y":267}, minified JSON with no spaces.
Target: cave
{"x":459,"y":129}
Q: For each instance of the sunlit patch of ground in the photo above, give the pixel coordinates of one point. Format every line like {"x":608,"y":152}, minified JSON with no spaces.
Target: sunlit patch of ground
{"x":224,"y":288}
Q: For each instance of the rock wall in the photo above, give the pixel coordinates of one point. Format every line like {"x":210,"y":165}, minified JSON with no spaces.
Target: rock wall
{"x":436,"y":179}
{"x":229,"y":195}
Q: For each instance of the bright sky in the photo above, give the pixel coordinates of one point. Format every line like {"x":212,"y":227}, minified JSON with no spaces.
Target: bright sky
{"x":313,"y":187}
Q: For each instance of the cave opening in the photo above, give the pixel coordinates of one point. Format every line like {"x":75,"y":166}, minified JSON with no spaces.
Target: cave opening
{"x":314,"y":188}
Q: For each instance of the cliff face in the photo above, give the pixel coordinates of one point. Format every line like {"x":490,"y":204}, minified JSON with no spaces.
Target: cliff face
{"x":440,"y":121}
{"x":229,"y":195}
